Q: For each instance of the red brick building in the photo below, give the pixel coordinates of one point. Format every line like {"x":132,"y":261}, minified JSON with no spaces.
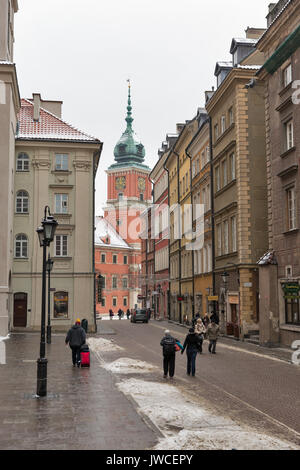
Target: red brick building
{"x":118,"y":242}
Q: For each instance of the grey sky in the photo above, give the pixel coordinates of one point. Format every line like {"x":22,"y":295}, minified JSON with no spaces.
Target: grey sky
{"x":82,"y":52}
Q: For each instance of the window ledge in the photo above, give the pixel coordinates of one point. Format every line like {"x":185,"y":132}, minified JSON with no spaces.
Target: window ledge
{"x":287,"y":152}
{"x":22,"y":213}
{"x":62,"y":258}
{"x":224,"y":134}
{"x":228,"y":185}
{"x":21,"y":259}
{"x":289,"y":232}
{"x":285,"y":89}
{"x":290,"y":327}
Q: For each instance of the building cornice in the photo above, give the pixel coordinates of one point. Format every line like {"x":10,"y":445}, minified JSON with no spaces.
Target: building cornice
{"x":9,"y":69}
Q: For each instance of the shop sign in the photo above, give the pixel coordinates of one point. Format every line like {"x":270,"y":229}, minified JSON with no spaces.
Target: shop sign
{"x":233,"y":299}
{"x":213,"y":298}
{"x":291,"y":290}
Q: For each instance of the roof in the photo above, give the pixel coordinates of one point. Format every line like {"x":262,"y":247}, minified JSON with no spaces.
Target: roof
{"x":275,"y":19}
{"x":103,"y":230}
{"x":49,"y":126}
{"x":268,"y":258}
{"x":242,"y":42}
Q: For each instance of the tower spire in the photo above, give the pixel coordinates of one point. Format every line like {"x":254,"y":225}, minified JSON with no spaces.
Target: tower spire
{"x":129,"y":118}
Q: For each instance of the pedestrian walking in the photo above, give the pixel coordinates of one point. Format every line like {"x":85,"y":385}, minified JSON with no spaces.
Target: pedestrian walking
{"x":212,"y":336}
{"x":200,"y":330}
{"x":214,"y":318}
{"x":128,"y":314}
{"x":76,"y":337}
{"x":168,"y":344}
{"x":192,"y":346}
{"x":111,"y":314}
{"x":120,"y":314}
{"x":206,"y":320}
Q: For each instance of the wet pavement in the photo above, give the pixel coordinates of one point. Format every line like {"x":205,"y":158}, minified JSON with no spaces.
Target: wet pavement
{"x":83,"y":408}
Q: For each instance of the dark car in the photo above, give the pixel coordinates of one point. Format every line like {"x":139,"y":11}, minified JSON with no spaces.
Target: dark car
{"x":139,"y":315}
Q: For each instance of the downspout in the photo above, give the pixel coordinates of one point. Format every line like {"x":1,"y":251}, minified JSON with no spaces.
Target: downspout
{"x":193,"y":303}
{"x":169,"y":281}
{"x":213,"y":250}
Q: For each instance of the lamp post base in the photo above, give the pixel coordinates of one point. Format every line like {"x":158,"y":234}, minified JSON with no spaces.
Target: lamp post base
{"x":48,"y":334}
{"x":42,"y":377}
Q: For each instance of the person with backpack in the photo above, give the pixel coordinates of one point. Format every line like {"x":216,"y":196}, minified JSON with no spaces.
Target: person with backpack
{"x":168,"y":344}
{"x":212,"y":336}
{"x":76,"y":337}
{"x":192,"y":346}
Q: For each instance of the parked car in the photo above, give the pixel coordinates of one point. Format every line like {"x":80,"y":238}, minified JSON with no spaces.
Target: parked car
{"x":139,"y":315}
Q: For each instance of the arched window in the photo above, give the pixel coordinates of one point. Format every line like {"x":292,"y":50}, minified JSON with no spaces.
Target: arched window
{"x":22,"y":202}
{"x":21,"y":246}
{"x":22,"y":162}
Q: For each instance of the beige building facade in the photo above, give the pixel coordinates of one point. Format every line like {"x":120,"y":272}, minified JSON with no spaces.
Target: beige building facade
{"x":55,"y":166}
{"x":9,"y":108}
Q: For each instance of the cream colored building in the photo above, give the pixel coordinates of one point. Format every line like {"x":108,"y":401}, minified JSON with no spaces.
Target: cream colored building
{"x":55,"y":166}
{"x":9,"y":107}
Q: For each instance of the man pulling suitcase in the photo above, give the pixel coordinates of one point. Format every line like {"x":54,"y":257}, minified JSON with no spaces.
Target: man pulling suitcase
{"x":76,"y":337}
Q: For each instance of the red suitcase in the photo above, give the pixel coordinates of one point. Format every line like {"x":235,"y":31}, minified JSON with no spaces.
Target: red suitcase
{"x":85,"y":359}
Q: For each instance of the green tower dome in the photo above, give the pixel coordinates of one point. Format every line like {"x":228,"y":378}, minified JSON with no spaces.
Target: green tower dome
{"x":129,"y":149}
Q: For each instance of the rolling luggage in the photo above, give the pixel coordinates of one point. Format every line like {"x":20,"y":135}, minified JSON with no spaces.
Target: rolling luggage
{"x":85,"y":356}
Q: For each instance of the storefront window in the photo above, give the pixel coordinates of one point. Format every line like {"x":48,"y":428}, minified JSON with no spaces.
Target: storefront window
{"x":61,"y":301}
{"x":292,"y":311}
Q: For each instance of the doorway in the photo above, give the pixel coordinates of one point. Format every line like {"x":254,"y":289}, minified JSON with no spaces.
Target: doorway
{"x":20,"y":309}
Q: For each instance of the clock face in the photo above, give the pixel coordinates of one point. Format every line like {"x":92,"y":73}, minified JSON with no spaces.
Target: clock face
{"x":120,"y":182}
{"x":142,"y":184}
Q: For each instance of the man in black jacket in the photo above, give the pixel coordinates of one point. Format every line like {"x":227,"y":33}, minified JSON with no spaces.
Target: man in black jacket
{"x":76,"y":337}
{"x":192,"y":345}
{"x":168,"y":344}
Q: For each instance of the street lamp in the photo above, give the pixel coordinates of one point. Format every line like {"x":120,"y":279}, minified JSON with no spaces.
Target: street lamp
{"x":46,"y":234}
{"x":49,"y":266}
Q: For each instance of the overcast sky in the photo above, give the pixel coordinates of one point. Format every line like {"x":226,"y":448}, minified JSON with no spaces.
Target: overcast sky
{"x":82,"y":52}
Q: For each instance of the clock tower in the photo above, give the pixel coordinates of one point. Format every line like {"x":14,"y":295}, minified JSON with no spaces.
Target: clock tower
{"x":129,"y":188}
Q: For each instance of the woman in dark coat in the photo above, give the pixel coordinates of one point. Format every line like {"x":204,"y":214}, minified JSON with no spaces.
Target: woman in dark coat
{"x":192,"y":346}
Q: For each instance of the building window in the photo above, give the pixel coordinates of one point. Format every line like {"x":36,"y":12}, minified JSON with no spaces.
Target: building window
{"x":103,"y":258}
{"x":226,"y":237}
{"x":103,"y":301}
{"x":120,"y":196}
{"x":224,"y":172}
{"x":124,"y":301}
{"x":21,"y":246}
{"x":61,"y":162}
{"x":61,"y":245}
{"x":141,"y":197}
{"x":223,"y":124}
{"x":233,"y":234}
{"x":125,"y":283}
{"x":292,"y":315}
{"x":198,"y":165}
{"x":230,"y":116}
{"x":219,"y":239}
{"x":61,"y":203}
{"x":289,"y":134}
{"x":232,"y":166}
{"x":287,"y":75}
{"x":216,"y":128}
{"x":61,"y":304}
{"x":291,"y":208}
{"x":22,"y":162}
{"x":22,"y":202}
{"x":125,"y":259}
{"x":114,"y":301}
{"x":217,"y":177}
{"x":114,"y":282}
{"x":115,"y":259}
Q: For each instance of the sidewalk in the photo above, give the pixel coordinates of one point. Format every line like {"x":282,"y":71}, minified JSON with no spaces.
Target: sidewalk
{"x":83,"y":408}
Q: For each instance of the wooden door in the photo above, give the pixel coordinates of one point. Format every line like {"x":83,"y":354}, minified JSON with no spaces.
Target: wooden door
{"x":20,"y":310}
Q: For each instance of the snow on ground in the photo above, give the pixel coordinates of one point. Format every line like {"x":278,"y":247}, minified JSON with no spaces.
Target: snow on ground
{"x":188,"y":426}
{"x":126,"y":365}
{"x":102,"y":345}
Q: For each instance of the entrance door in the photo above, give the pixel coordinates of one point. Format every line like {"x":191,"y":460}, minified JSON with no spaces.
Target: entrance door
{"x":234,"y":317}
{"x":20,"y":310}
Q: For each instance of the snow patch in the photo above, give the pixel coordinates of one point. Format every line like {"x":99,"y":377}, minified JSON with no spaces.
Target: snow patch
{"x":126,"y":365}
{"x":102,"y":345}
{"x":187,"y":425}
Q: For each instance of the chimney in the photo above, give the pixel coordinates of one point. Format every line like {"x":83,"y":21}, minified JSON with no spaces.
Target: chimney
{"x":36,"y":106}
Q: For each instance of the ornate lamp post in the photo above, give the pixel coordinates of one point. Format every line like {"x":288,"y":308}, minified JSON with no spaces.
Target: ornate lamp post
{"x":46,"y":234}
{"x":49,"y":266}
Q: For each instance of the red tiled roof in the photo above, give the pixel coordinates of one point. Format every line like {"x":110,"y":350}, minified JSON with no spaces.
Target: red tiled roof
{"x":49,"y":126}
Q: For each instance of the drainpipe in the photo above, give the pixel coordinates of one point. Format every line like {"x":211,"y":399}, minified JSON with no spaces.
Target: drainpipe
{"x":193,"y":303}
{"x":212,"y":212}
